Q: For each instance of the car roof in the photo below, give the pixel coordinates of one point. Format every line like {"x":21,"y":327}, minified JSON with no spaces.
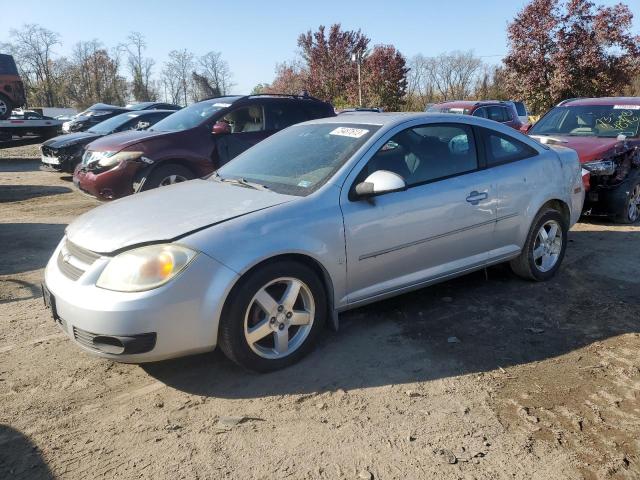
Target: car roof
{"x":470,"y":103}
{"x":384,"y":118}
{"x":600,"y":101}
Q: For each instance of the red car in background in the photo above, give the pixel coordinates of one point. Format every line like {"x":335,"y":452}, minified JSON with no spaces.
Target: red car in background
{"x":605,"y":133}
{"x":500,"y":111}
{"x":190,"y":143}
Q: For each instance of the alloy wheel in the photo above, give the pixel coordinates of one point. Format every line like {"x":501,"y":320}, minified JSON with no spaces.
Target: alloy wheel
{"x":171,"y":179}
{"x":3,"y":107}
{"x":279,"y":318}
{"x":547,"y":246}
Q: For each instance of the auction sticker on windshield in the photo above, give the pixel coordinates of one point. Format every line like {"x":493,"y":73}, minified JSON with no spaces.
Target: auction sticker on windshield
{"x":626,"y":107}
{"x":349,"y":132}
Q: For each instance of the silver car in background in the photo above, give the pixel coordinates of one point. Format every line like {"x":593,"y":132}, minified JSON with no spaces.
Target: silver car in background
{"x":324,"y":216}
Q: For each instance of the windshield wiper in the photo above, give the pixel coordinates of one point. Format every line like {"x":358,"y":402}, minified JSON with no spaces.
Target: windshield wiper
{"x":241,"y":182}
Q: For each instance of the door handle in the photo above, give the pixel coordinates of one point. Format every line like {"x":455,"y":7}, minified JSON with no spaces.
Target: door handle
{"x":475,"y":197}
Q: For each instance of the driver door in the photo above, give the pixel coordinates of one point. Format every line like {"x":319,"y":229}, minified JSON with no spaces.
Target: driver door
{"x":441,"y":224}
{"x":248,"y":127}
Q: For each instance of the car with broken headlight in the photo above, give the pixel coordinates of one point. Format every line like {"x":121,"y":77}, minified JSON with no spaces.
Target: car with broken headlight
{"x":606,"y":134}
{"x":321,"y":217}
{"x":189,"y":144}
{"x":64,"y":152}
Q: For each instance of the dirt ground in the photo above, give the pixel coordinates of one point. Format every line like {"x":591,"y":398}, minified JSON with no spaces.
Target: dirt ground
{"x":540,"y":381}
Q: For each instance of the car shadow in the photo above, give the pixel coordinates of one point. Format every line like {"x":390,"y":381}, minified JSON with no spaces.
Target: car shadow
{"x":20,"y":458}
{"x":481,"y":322}
{"x":19,"y":193}
{"x":30,"y":244}
{"x":19,"y":164}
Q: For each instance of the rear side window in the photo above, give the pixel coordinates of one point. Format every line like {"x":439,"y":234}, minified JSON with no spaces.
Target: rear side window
{"x":521,"y":109}
{"x":283,"y":114}
{"x":502,"y":148}
{"x":318,"y":110}
{"x":498,"y":114}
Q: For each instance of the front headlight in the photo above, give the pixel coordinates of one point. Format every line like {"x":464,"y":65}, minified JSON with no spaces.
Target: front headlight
{"x":145,"y":268}
{"x":600,"y":167}
{"x":111,"y":159}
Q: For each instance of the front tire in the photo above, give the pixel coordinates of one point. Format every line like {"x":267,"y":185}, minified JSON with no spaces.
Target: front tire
{"x":631,"y":211}
{"x":166,"y":175}
{"x":273,"y":317}
{"x":544,"y":248}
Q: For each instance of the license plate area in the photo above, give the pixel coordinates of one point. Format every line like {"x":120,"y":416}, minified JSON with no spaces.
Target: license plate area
{"x":50,"y":303}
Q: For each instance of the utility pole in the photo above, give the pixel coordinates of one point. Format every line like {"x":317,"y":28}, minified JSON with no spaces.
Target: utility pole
{"x":357,"y":57}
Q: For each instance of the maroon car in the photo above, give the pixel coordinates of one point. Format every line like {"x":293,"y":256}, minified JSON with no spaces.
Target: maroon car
{"x":497,"y":110}
{"x":606,"y":134}
{"x":190,"y":143}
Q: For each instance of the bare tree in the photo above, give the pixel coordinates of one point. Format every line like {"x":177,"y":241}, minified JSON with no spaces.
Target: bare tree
{"x":216,"y":70}
{"x":32,"y":46}
{"x":176,"y":76}
{"x":454,"y":74}
{"x":140,"y":68}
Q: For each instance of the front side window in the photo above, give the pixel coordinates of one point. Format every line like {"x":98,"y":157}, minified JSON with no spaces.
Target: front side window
{"x":480,"y":112}
{"x":246,"y":119}
{"x":300,"y":159}
{"x":501,"y":148}
{"x":426,"y":153}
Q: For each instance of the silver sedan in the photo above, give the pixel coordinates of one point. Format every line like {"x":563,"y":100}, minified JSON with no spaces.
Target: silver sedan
{"x":322,"y":217}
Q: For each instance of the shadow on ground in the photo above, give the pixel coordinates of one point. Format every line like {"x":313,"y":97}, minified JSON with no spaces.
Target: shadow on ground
{"x":20,"y":458}
{"x":18,"y":193}
{"x":30,"y":244}
{"x":473,"y":324}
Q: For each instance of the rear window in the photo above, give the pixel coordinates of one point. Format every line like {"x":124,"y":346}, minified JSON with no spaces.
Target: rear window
{"x":7,"y":65}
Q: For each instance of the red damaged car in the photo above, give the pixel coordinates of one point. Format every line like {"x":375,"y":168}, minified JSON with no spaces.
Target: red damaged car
{"x":605,"y":133}
{"x":189,"y":143}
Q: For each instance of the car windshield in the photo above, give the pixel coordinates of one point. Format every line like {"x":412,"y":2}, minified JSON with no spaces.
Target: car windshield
{"x":590,"y":121}
{"x":299,"y":159}
{"x":193,"y":115}
{"x":108,"y":126}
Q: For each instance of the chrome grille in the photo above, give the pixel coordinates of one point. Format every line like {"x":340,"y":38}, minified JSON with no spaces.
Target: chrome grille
{"x":73,"y":260}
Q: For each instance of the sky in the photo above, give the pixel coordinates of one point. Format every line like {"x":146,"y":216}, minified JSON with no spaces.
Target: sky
{"x":253,"y":36}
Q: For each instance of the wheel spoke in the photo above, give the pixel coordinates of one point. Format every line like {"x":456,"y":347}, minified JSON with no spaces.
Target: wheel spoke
{"x":543,"y":234}
{"x":291,"y":294}
{"x":553,"y":231}
{"x":547,"y":262}
{"x":538,"y":252}
{"x":300,"y":318}
{"x":260,"y":331}
{"x":266,"y":301}
{"x":282,"y":341}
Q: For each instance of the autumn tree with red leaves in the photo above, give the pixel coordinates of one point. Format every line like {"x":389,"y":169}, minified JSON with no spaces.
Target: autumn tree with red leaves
{"x":562,"y":49}
{"x":384,"y":79}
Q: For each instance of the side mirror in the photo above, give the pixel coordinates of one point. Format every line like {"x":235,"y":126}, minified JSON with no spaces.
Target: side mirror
{"x":221,"y":128}
{"x":379,"y":183}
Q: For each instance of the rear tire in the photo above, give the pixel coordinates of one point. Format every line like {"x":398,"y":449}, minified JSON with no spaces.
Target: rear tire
{"x":544,"y":248}
{"x":6,"y":107}
{"x":631,"y":210}
{"x":261,"y":328}
{"x":166,"y":175}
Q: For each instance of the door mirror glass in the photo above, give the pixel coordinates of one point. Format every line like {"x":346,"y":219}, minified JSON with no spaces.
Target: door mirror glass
{"x":379,"y":183}
{"x":221,"y":128}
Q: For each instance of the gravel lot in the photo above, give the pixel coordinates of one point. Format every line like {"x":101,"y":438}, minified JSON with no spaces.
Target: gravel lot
{"x":540,"y":381}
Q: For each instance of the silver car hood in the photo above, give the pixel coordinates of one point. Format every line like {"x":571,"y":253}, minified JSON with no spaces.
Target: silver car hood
{"x":166,"y":213}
